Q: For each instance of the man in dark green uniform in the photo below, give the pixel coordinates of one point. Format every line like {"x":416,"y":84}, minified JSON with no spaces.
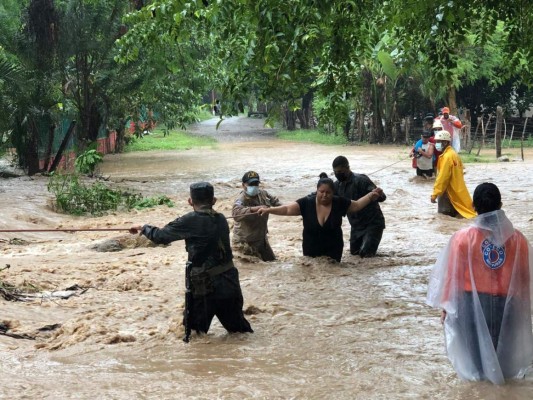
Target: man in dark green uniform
{"x":214,"y":280}
{"x":368,"y":224}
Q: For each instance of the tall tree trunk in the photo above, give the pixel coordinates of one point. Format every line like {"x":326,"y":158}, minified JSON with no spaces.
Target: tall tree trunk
{"x":289,"y":118}
{"x":48,"y":154}
{"x":452,"y":101}
{"x":467,"y":131}
{"x":378,"y":121}
{"x":32,"y":154}
{"x":121,"y":134}
{"x":307,"y":104}
{"x":361,"y":123}
{"x":498,"y":132}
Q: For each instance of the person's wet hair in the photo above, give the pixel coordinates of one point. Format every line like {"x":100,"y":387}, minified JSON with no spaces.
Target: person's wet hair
{"x":340,"y":161}
{"x":202,"y":193}
{"x":322,"y":175}
{"x":326,"y":181}
{"x":487,"y":198}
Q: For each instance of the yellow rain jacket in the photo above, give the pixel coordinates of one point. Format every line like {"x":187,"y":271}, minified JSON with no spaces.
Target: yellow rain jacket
{"x":450,"y":179}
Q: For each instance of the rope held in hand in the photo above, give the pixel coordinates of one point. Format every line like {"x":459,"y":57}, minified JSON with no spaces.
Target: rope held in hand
{"x":86,"y":229}
{"x":65,"y":230}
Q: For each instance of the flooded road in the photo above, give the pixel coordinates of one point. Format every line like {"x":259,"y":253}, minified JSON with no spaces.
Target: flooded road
{"x":358,"y":329}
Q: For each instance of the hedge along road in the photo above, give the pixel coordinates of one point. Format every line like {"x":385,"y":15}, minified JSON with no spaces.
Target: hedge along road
{"x":356,"y":329}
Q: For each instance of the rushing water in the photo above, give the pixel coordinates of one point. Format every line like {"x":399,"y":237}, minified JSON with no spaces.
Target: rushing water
{"x":358,"y":329}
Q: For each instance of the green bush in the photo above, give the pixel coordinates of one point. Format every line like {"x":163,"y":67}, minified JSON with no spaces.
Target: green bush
{"x":87,"y":161}
{"x":74,"y":197}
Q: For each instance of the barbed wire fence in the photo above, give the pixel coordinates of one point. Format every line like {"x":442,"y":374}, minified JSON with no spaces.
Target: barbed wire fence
{"x":506,"y":136}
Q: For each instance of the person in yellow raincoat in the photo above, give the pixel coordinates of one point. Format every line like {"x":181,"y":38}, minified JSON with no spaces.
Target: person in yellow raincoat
{"x":449,"y":188}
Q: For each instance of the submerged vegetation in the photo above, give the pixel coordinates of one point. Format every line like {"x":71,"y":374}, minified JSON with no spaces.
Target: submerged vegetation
{"x":75,"y":197}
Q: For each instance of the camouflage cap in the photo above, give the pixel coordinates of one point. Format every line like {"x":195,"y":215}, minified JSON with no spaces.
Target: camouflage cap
{"x":250,"y":176}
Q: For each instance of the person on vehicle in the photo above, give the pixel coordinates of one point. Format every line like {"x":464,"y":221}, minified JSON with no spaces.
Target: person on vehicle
{"x":250,"y":229}
{"x":213,"y":277}
{"x":449,"y":188}
{"x":322,"y":218}
{"x":482,"y":281}
{"x":422,"y":153}
{"x":367,"y":225}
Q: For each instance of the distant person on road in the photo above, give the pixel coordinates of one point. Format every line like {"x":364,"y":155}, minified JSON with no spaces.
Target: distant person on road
{"x":250,"y":231}
{"x":482,"y":281}
{"x":367,"y":224}
{"x":214,"y":279}
{"x":450,"y":189}
{"x":216,"y":107}
{"x":322,"y":218}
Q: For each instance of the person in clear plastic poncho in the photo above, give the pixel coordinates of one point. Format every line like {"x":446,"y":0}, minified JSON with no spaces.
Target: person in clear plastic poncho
{"x":482,"y":282}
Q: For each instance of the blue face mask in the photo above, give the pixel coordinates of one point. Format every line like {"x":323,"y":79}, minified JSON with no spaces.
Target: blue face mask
{"x":252,"y":190}
{"x":438,"y":146}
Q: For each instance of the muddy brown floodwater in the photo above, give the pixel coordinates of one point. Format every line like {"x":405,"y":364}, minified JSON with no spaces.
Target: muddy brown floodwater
{"x":358,"y":329}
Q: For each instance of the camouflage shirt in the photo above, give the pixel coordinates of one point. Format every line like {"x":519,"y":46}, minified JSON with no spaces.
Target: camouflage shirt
{"x":251,"y":228}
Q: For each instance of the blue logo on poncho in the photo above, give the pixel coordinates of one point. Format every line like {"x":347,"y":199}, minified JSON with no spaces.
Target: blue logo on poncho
{"x":493,"y":256}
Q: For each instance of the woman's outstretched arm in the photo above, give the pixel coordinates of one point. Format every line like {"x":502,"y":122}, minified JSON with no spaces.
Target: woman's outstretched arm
{"x":287,"y":209}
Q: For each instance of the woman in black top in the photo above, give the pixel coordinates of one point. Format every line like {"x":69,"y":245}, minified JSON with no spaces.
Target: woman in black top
{"x":322,"y":218}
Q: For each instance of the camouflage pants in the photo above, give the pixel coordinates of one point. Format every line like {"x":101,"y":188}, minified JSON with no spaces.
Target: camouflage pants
{"x":260,"y":248}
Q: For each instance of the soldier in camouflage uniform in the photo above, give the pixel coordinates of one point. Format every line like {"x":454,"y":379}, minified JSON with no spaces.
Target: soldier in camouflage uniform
{"x":250,"y":231}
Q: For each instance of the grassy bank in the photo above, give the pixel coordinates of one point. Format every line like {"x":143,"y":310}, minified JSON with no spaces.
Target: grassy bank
{"x":473,"y":158}
{"x":311,"y":136}
{"x":176,"y":140}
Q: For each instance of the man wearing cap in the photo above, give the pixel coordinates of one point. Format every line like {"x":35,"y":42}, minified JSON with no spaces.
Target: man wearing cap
{"x":449,"y":188}
{"x":214,"y":280}
{"x":452,"y":124}
{"x":367,"y":225}
{"x":250,"y":229}
{"x":423,"y":156}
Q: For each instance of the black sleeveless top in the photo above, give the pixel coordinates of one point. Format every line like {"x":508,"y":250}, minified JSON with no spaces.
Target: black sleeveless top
{"x":323,"y":240}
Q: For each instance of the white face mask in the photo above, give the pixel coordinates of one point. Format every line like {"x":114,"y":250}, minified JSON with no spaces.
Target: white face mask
{"x":438,"y":146}
{"x":252,"y":190}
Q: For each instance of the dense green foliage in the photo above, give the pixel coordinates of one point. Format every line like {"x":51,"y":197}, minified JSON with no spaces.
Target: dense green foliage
{"x":369,"y":63}
{"x":72,"y":196}
{"x":87,"y":162}
{"x":353,"y":67}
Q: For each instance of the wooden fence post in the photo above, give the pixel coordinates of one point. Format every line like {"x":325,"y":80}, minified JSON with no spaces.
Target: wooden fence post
{"x":407,"y":129}
{"x":483,"y":133}
{"x":498,"y":131}
{"x":522,"y":140}
{"x":466,"y":130}
{"x":473,"y":141}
